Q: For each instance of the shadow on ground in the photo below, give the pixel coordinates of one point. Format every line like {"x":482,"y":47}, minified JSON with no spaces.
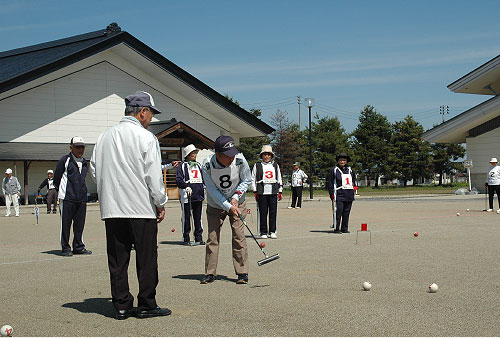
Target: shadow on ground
{"x":172,"y":242}
{"x":323,"y":231}
{"x":198,"y":277}
{"x":52,"y":252}
{"x":101,"y":306}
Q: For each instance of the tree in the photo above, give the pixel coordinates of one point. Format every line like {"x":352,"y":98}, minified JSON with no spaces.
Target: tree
{"x":372,"y":143}
{"x":328,"y":139}
{"x":251,"y":146}
{"x":286,"y":141}
{"x":442,"y":156}
{"x":410,"y":158}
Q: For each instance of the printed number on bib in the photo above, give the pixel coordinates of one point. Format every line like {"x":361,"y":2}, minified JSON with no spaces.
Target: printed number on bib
{"x":268,"y":177}
{"x":195,"y":176}
{"x":347,"y":181}
{"x":225,"y":181}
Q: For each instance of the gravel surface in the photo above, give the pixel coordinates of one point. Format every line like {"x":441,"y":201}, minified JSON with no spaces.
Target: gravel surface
{"x":314,"y":289}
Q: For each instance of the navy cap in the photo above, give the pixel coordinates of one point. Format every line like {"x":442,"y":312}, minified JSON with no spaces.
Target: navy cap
{"x":225,"y":145}
{"x":141,"y":99}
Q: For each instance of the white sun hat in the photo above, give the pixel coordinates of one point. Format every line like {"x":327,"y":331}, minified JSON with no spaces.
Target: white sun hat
{"x":188,"y":150}
{"x":266,"y":149}
{"x":493,"y":159}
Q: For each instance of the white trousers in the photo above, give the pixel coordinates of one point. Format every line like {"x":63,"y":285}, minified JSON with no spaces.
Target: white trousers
{"x":14,"y":199}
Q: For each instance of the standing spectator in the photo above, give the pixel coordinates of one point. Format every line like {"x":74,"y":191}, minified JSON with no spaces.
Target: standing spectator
{"x":126,"y":165}
{"x":51,"y":191}
{"x":11,"y":192}
{"x":493,"y":183}
{"x":69,"y":181}
{"x":341,"y":184}
{"x":267,"y":186}
{"x":298,"y":179}
{"x":190,"y":181}
{"x":227,"y":177}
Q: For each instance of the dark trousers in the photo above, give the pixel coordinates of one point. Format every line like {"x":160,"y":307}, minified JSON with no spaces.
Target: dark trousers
{"x":186,"y":221}
{"x":268,"y":204}
{"x":492,"y":189}
{"x":120,"y":234}
{"x":296,"y":197}
{"x":72,"y":212}
{"x":342,"y":215}
{"x":52,"y":199}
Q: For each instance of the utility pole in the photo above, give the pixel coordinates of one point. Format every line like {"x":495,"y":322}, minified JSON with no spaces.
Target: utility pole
{"x":298,"y":101}
{"x":444,"y":110}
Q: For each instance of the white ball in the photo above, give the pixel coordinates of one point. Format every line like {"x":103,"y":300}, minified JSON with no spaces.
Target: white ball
{"x":367,"y":286}
{"x":433,"y":288}
{"x":6,"y":331}
{"x":468,"y":210}
{"x":458,"y":214}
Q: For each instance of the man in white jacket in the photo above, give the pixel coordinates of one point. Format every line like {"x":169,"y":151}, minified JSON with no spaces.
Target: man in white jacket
{"x":493,"y":183}
{"x":126,"y":165}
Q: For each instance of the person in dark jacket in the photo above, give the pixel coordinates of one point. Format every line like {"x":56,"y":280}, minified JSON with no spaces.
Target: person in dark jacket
{"x":51,"y":191}
{"x":342,"y":184}
{"x":69,"y":180}
{"x":190,"y":181}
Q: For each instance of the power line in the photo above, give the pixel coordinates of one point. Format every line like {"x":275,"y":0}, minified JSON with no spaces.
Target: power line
{"x":284,"y":99}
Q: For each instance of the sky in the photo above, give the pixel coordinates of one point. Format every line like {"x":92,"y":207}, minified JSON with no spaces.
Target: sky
{"x":398,"y":56}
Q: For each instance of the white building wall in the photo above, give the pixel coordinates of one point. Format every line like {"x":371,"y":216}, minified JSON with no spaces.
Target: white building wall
{"x":480,"y":150}
{"x":85,"y":103}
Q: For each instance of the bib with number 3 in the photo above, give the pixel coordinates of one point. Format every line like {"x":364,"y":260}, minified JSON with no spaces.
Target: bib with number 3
{"x":268,"y":177}
{"x":347,"y":181}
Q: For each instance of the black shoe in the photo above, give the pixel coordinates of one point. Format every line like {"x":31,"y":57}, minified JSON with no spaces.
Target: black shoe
{"x":54,"y":211}
{"x":124,"y":314}
{"x":346,"y":232}
{"x":82,"y":252}
{"x":337,"y":231}
{"x":186,"y":243}
{"x":198,"y":243}
{"x":158,"y":312}
{"x":48,"y":212}
{"x":242,"y":279}
{"x":207,"y":279}
{"x":66,"y":253}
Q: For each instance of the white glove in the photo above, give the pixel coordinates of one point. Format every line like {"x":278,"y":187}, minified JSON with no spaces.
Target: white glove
{"x":189,"y":191}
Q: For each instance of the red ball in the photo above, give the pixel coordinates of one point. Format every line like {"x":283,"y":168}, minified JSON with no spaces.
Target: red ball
{"x":173,"y":229}
{"x":415,"y":234}
{"x":262,"y":245}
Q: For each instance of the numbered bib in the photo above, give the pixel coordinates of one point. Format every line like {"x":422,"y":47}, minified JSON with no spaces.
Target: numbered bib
{"x":296,"y":180}
{"x":195,"y":175}
{"x":268,"y":177}
{"x":226,"y":179}
{"x":347,"y":181}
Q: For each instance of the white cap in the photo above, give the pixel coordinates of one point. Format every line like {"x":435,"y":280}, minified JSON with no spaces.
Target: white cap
{"x":50,"y":171}
{"x":8,"y":171}
{"x":77,"y":141}
{"x":493,"y":159}
{"x":188,"y":150}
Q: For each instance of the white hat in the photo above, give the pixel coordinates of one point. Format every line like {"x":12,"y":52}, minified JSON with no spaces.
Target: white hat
{"x":50,"y":171}
{"x":493,"y":159}
{"x":266,"y":149}
{"x":77,"y":141}
{"x":188,"y":150}
{"x":8,"y":171}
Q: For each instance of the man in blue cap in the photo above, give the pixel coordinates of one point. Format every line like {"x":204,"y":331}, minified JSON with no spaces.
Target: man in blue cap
{"x":227,"y":176}
{"x":126,"y":165}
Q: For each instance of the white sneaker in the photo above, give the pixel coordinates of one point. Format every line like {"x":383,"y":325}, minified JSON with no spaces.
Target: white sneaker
{"x":17,"y":215}
{"x":297,"y":207}
{"x":498,"y":211}
{"x":489,"y":210}
{"x":262,"y":236}
{"x":290,"y":207}
{"x":273,"y":235}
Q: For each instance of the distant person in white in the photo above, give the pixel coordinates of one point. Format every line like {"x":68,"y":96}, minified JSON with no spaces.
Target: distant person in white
{"x":298,"y":179}
{"x":126,"y":165}
{"x":11,"y":190}
{"x":493,"y":183}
